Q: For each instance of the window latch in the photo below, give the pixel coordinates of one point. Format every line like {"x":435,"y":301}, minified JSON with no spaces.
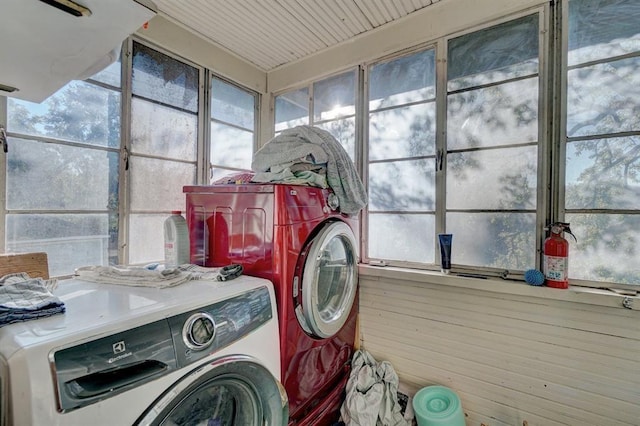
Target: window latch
{"x":3,"y":140}
{"x":439,"y":160}
{"x":125,"y":158}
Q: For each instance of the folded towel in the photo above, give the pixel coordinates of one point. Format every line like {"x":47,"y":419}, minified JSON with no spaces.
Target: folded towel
{"x":143,"y":277}
{"x":23,"y":298}
{"x":133,"y":276}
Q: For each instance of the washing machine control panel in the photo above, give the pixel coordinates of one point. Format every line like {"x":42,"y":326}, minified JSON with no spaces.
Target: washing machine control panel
{"x":203,"y":331}
{"x":95,"y":370}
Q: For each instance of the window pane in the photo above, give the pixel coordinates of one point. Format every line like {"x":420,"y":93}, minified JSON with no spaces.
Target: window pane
{"x":592,"y":33}
{"x":79,"y":112}
{"x":45,"y":176}
{"x":495,"y":54}
{"x":231,"y":147}
{"x":402,"y":185}
{"x":164,"y":79}
{"x":604,"y":98}
{"x":402,"y":132}
{"x":334,"y":97}
{"x":491,"y":116}
{"x":232,"y":104}
{"x":603,"y":174}
{"x":345,"y":132}
{"x":292,"y":109}
{"x":608,"y":247}
{"x":404,"y":80}
{"x":504,"y":179}
{"x":70,"y":240}
{"x":157,"y":184}
{"x":403,"y":237}
{"x":496,"y":115}
{"x":398,"y":131}
{"x":498,"y":240}
{"x":146,"y":239}
{"x":161,"y":131}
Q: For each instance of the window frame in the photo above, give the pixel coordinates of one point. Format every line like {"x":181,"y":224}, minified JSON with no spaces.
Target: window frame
{"x":123,"y":150}
{"x":60,"y":142}
{"x":364,"y":158}
{"x":126,"y":149}
{"x":544,"y":131}
{"x":207,"y":166}
{"x":559,"y":168}
{"x":358,"y":104}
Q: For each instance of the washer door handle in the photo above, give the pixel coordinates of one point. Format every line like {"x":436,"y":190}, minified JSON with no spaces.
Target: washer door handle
{"x":105,"y":381}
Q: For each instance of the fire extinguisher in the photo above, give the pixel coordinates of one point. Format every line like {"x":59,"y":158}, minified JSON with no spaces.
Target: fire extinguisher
{"x":556,"y":256}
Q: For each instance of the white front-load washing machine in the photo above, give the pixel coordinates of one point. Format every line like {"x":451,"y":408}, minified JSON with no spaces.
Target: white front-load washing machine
{"x":201,"y":353}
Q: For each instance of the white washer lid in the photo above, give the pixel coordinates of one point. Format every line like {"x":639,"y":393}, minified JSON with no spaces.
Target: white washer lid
{"x":100,"y":309}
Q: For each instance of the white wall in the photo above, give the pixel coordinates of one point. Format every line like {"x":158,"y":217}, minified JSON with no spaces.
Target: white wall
{"x":511,"y":356}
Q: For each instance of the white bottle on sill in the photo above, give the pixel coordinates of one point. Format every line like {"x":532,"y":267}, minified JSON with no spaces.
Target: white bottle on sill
{"x":176,"y":240}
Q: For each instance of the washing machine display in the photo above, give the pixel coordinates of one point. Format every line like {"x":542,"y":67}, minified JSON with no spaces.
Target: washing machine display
{"x":295,"y":237}
{"x":129,"y":355}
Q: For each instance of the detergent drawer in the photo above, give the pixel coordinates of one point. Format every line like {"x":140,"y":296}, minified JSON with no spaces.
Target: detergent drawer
{"x":102,"y":368}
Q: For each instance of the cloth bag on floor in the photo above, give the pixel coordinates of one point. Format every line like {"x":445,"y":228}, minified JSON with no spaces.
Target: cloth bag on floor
{"x":371,"y":394}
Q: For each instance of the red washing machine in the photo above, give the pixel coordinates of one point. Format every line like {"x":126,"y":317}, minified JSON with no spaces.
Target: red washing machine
{"x":294,"y":236}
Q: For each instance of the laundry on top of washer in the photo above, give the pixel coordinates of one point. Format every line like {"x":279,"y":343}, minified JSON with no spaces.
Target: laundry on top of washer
{"x":280,"y":160}
{"x":23,"y":298}
{"x":224,"y":273}
{"x":160,"y":278}
{"x":133,"y":276}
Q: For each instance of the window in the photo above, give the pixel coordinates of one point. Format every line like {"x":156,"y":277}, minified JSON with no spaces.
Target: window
{"x":292,"y":109}
{"x":402,"y":158}
{"x":479,"y":181}
{"x":90,"y":187}
{"x":499,"y":153}
{"x":602,"y":136}
{"x":334,"y":108}
{"x":164,"y":141}
{"x":62,"y":174}
{"x":492,"y":145}
{"x":329,"y":104}
{"x":233,"y":124}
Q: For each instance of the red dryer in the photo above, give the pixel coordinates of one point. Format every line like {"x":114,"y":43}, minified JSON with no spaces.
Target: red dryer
{"x":296,"y":237}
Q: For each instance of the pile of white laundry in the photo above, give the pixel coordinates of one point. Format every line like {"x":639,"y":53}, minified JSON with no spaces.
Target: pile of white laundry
{"x":371,"y":394}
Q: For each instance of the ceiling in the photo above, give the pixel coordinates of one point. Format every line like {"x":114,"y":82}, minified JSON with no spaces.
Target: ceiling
{"x":271,"y":33}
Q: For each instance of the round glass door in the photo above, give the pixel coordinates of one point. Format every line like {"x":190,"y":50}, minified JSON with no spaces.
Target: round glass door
{"x":329,"y":280}
{"x":228,"y":392}
{"x":223,"y":402}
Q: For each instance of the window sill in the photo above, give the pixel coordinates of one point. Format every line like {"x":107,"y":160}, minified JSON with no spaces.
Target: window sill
{"x":576,"y":294}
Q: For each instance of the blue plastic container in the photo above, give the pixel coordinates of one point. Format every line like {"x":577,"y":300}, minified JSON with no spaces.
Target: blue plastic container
{"x":438,"y":406}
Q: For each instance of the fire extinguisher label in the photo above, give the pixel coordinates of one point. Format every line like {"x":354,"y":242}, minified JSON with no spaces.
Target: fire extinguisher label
{"x":556,"y":268}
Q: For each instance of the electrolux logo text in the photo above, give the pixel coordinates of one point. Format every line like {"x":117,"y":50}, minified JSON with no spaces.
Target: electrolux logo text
{"x":119,"y":349}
